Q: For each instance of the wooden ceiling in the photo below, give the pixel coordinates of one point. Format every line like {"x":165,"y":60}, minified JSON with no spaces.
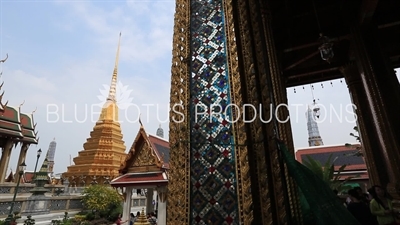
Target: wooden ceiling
{"x":297,"y":24}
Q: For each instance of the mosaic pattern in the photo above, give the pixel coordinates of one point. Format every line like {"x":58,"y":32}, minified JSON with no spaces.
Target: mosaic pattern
{"x":5,"y":207}
{"x":56,"y":205}
{"x":75,"y":204}
{"x":5,"y":190}
{"x":213,"y":178}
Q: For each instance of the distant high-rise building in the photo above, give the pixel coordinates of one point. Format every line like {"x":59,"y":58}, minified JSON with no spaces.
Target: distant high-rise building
{"x":51,"y":152}
{"x":160,"y":132}
{"x":314,"y":138}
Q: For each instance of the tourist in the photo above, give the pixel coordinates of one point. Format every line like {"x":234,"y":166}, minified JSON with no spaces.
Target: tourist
{"x":381,"y":206}
{"x":152,"y":219}
{"x":119,"y":220}
{"x":364,"y":197}
{"x":359,"y":209}
{"x":132,"y":219}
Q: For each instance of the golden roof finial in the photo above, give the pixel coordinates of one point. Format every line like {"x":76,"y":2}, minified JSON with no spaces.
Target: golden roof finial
{"x":140,"y":121}
{"x":113,"y":86}
{"x":142,"y":220}
{"x":34,"y":110}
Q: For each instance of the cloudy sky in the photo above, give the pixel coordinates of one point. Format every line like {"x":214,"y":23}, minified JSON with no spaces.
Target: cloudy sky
{"x":61,"y":58}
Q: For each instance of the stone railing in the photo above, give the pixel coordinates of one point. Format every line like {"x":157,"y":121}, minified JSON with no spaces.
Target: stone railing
{"x":59,"y":201}
{"x":8,"y":188}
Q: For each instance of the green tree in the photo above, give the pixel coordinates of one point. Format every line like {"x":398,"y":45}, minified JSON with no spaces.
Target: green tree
{"x":358,"y":150}
{"x":327,"y":173}
{"x":100,"y":198}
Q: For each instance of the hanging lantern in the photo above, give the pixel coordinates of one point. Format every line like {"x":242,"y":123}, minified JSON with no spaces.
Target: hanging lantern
{"x":326,"y":48}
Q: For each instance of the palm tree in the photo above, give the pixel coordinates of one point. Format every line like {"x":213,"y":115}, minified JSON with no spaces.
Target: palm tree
{"x":357,"y":149}
{"x":327,"y":173}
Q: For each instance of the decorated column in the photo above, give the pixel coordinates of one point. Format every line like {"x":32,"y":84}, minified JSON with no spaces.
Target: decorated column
{"x":5,"y":159}
{"x":162,"y":205}
{"x":383,"y":94}
{"x":374,"y":160}
{"x":127,"y":203}
{"x":22,"y":156}
{"x":149,"y":200}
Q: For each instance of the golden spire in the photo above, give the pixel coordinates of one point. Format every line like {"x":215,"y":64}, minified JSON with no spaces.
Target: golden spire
{"x":142,"y":220}
{"x":113,"y":86}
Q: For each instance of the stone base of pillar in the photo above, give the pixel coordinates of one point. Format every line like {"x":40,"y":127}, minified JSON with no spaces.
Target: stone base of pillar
{"x":37,"y":205}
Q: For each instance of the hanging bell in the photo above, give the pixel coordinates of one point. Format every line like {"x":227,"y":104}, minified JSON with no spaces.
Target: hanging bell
{"x":322,"y":85}
{"x":294,"y":90}
{"x":331,"y":83}
{"x":325,"y":48}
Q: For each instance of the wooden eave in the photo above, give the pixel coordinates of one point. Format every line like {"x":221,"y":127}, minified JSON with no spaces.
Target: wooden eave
{"x":296,"y":32}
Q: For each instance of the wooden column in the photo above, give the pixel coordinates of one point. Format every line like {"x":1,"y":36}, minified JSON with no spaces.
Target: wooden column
{"x":373,"y":158}
{"x":5,"y":159}
{"x":22,"y":156}
{"x":383,"y":96}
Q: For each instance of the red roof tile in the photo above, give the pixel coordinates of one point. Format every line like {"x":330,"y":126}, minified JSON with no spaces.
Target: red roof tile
{"x":161,"y":148}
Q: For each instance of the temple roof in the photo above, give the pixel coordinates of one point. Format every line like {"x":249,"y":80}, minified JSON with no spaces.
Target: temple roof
{"x":344,"y":156}
{"x":15,"y":124}
{"x":161,"y":147}
{"x":141,"y":179}
{"x":155,"y":156}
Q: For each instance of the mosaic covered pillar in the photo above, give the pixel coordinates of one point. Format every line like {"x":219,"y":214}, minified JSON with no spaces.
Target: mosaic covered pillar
{"x":373,"y":158}
{"x":383,"y":95}
{"x":225,"y":166}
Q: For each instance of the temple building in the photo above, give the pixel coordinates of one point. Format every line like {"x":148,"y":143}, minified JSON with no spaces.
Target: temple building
{"x":50,"y":156}
{"x":145,"y":172}
{"x":104,"y":151}
{"x":160,"y":132}
{"x":16,"y":128}
{"x":314,"y":138}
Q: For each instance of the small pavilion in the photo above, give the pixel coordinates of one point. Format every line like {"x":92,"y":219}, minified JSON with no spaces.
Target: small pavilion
{"x":145,"y":167}
{"x":15,"y":128}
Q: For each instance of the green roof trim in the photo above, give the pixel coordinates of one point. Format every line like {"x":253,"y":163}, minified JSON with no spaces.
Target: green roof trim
{"x":10,"y":114}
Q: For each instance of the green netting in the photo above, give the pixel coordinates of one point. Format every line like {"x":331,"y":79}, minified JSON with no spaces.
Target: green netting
{"x":320,"y":205}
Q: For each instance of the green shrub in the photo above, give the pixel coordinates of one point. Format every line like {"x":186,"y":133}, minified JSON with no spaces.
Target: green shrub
{"x":90,"y":216}
{"x":112,"y":212}
{"x":97,"y":197}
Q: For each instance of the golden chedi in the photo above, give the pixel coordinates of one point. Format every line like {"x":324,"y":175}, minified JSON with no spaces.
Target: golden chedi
{"x":99,"y":161}
{"x":142,"y":219}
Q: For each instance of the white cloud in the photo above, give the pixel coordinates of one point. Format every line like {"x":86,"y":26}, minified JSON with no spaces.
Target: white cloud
{"x":28,"y":81}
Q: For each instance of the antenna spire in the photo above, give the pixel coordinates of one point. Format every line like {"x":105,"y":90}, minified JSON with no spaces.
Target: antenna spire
{"x":113,"y":86}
